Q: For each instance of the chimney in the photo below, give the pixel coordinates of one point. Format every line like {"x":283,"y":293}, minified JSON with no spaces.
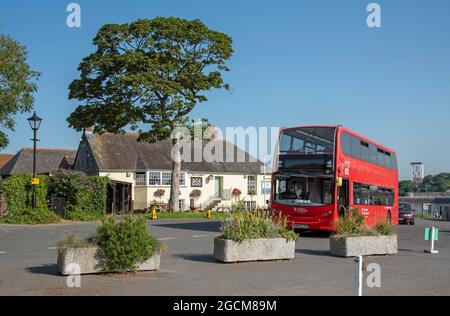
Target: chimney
{"x":87,"y":131}
{"x":212,"y":132}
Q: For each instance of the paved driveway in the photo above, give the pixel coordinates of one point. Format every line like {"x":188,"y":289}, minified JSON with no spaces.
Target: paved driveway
{"x":28,"y":265}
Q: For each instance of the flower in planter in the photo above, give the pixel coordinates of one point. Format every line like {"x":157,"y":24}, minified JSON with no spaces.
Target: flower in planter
{"x":195,"y":194}
{"x":236,"y":193}
{"x":159,"y":194}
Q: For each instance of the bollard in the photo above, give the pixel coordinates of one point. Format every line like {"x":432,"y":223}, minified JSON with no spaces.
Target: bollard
{"x":358,"y":275}
{"x":208,"y":215}
{"x":154,"y":216}
{"x":432,"y":234}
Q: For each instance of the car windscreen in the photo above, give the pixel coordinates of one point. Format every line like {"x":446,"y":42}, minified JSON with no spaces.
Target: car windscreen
{"x":405,"y":208}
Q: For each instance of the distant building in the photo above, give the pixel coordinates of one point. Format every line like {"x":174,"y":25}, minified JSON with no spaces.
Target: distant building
{"x":47,"y":161}
{"x":67,"y":163}
{"x":418,"y":171}
{"x":436,"y":204}
{"x":440,"y":208}
{"x":4,"y":158}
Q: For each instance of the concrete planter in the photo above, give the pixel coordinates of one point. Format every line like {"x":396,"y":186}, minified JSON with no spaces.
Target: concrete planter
{"x":363,"y":246}
{"x":90,"y":261}
{"x":253,"y":250}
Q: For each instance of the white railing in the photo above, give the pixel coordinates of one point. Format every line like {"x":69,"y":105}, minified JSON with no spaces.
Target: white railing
{"x":227,"y":195}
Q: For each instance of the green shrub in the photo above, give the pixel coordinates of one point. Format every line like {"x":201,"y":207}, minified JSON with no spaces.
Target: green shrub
{"x":244,"y":225}
{"x":18,"y":191}
{"x":238,"y":206}
{"x":125,"y":244}
{"x":384,"y":229}
{"x":352,"y":224}
{"x":85,"y":196}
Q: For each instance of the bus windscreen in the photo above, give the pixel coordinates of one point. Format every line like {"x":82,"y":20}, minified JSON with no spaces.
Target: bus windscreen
{"x":308,"y":141}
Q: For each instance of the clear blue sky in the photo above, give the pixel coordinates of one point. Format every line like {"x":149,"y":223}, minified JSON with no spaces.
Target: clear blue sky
{"x":296,"y":62}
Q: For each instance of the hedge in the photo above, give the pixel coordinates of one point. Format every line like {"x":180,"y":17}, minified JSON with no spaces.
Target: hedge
{"x":18,"y":196}
{"x":85,"y":196}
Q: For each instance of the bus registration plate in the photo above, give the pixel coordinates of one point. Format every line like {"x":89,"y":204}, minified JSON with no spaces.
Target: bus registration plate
{"x":301,"y":226}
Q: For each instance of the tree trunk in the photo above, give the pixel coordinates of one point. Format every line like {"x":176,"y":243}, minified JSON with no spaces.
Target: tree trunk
{"x":174,"y":202}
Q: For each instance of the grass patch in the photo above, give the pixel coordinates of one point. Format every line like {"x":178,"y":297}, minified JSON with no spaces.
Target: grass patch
{"x":74,"y":241}
{"x":189,"y":214}
{"x":423,"y":216}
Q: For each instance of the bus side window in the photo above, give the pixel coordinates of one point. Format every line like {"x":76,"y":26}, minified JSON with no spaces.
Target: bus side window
{"x":355,"y":145}
{"x":356,"y":193}
{"x":365,"y":151}
{"x":346,"y":144}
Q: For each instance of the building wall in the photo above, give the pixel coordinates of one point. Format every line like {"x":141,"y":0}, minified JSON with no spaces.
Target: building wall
{"x":441,"y":211}
{"x":120,"y":176}
{"x":143,"y":195}
{"x":140,"y":197}
{"x":230,"y":182}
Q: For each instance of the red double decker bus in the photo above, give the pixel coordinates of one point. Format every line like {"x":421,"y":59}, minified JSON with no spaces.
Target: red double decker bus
{"x":322,"y":172}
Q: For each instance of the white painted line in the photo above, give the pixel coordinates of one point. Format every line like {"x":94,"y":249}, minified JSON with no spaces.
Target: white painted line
{"x":2,"y":252}
{"x":51,"y":248}
{"x":199,"y":236}
{"x":169,"y":238}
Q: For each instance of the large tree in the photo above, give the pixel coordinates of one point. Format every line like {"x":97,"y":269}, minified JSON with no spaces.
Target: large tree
{"x":17,"y":84}
{"x":150,"y":73}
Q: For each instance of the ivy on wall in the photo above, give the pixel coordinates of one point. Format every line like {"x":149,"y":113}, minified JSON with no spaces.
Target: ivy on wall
{"x":85,"y":196}
{"x":18,"y":197}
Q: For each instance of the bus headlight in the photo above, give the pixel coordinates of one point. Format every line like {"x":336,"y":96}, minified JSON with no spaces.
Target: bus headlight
{"x":327,"y":214}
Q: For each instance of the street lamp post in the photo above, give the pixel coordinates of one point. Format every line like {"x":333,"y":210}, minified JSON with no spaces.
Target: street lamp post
{"x":35,"y":123}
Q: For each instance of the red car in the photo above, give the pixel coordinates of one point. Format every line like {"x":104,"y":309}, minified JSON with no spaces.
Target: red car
{"x":406,"y":214}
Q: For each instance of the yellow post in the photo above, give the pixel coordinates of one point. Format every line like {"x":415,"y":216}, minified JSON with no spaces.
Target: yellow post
{"x":208,"y":215}
{"x":154,"y":216}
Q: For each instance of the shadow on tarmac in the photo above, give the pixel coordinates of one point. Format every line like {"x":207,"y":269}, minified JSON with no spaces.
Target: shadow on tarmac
{"x":198,"y":258}
{"x":310,"y":252}
{"x":47,"y":269}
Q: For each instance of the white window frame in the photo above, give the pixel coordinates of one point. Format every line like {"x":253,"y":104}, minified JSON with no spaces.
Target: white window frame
{"x":250,"y":205}
{"x":183,"y":179}
{"x":182,"y":204}
{"x":166,"y":178}
{"x":252,"y":184}
{"x":154,"y":175}
{"x":164,"y":181}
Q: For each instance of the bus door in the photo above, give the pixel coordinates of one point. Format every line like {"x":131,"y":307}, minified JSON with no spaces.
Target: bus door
{"x":344,"y":198}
